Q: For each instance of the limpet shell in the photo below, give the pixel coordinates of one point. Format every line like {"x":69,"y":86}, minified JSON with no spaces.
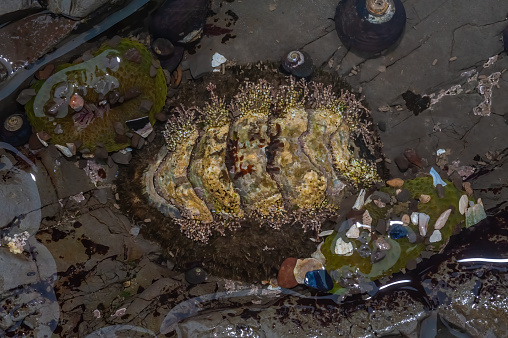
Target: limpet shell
{"x":441,"y":221}
{"x":463,"y":204}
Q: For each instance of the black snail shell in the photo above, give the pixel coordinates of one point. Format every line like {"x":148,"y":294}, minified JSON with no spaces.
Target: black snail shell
{"x":298,"y":63}
{"x":163,"y":47}
{"x":179,"y":21}
{"x":15,"y":129}
{"x":370,"y":25}
{"x":195,"y":275}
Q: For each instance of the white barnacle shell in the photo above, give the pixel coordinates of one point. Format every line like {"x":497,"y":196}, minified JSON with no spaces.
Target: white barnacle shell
{"x":343,"y":248}
{"x":423,"y":223}
{"x":360,"y":200}
{"x":353,"y":232}
{"x":441,"y":221}
{"x":436,"y":236}
{"x":414,"y":218}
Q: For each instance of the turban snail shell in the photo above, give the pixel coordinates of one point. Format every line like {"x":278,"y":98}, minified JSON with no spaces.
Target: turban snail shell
{"x":15,"y":129}
{"x":298,"y":63}
{"x":370,"y":25}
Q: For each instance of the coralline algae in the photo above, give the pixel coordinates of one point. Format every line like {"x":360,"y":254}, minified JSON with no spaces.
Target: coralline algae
{"x":119,"y":83}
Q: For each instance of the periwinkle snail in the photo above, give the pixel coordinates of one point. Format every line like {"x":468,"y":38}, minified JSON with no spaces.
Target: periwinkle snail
{"x":15,"y":129}
{"x":298,"y":63}
{"x":370,"y":25}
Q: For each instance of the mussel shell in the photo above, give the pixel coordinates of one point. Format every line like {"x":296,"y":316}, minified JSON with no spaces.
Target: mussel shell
{"x":15,"y":129}
{"x":357,"y":32}
{"x":179,"y":21}
{"x":298,"y":63}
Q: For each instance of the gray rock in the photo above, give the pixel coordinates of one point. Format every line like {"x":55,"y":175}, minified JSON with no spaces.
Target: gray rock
{"x":122,"y":157}
{"x":381,"y":196}
{"x":201,"y":64}
{"x":76,"y":8}
{"x":403,"y":195}
{"x":440,"y":191}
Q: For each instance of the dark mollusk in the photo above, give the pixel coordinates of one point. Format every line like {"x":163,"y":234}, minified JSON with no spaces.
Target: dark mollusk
{"x":195,"y":275}
{"x":370,"y":25}
{"x":15,"y":129}
{"x":179,"y":21}
{"x":298,"y":63}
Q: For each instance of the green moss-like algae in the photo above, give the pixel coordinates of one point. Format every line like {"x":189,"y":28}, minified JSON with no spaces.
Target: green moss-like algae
{"x":404,"y":250}
{"x":129,"y":74}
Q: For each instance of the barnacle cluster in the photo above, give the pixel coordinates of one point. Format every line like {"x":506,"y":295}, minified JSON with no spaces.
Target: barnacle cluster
{"x":273,"y":154}
{"x":81,"y":102}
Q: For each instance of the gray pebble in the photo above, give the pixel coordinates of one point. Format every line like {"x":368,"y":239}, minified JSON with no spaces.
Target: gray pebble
{"x":440,"y":191}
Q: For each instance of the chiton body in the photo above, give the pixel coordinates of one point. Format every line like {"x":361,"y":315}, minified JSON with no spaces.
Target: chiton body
{"x":274,"y":154}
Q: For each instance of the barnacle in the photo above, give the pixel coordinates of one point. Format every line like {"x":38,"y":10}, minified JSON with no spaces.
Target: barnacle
{"x":118,"y":84}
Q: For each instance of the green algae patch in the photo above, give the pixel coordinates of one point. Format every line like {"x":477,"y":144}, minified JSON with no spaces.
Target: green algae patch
{"x":81,"y":103}
{"x":365,"y":254}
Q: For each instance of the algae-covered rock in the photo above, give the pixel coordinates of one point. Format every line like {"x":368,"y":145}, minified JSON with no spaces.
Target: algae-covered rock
{"x":80,"y":103}
{"x":404,"y":241}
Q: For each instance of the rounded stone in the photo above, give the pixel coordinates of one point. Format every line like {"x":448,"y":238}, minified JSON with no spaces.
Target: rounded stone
{"x":403,"y":196}
{"x":319,"y":280}
{"x":398,"y":232}
{"x":305,"y":265}
{"x":364,"y":251}
{"x":286,"y":277}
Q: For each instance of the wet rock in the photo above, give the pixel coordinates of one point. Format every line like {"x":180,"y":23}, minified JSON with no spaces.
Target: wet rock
{"x":122,"y":157}
{"x":411,"y":264}
{"x":25,"y":95}
{"x":435,"y":237}
{"x":440,"y":191}
{"x":101,"y":153}
{"x":441,"y":221}
{"x":402,"y":163}
{"x":34,"y":143}
{"x":119,"y":128}
{"x":456,"y":180}
{"x":39,"y":32}
{"x":319,"y":279}
{"x":286,"y":277}
{"x":412,"y":156}
{"x":463,"y":204}
{"x":467,"y":188}
{"x":382,"y":244}
{"x":403,"y":195}
{"x":395,"y":183}
{"x":101,"y":195}
{"x":423,"y":223}
{"x":398,"y":231}
{"x":474,"y":214}
{"x":343,"y":248}
{"x":45,"y":72}
{"x":381,"y":226}
{"x":377,"y":256}
{"x":305,"y":265}
{"x":364,"y":251}
{"x":162,"y":117}
{"x":425,"y":198}
{"x":382,"y":126}
{"x":201,"y":65}
{"x":381,"y":196}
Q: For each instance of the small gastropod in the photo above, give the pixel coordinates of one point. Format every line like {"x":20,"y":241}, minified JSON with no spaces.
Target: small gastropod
{"x":298,"y":63}
{"x":15,"y":129}
{"x":370,"y":25}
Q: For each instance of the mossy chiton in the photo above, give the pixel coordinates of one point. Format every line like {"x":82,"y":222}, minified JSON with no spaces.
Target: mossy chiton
{"x":273,"y":154}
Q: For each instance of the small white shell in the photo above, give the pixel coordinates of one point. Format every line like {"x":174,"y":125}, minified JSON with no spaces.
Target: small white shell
{"x":343,"y":248}
{"x":441,"y":221}
{"x":325,"y":233}
{"x":463,"y":204}
{"x":64,"y":150}
{"x":366,"y":218}
{"x":414,"y":218}
{"x":353,"y":232}
{"x":44,"y":143}
{"x":218,"y":59}
{"x":423,"y":223}
{"x":360,"y":200}
{"x":436,"y":236}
